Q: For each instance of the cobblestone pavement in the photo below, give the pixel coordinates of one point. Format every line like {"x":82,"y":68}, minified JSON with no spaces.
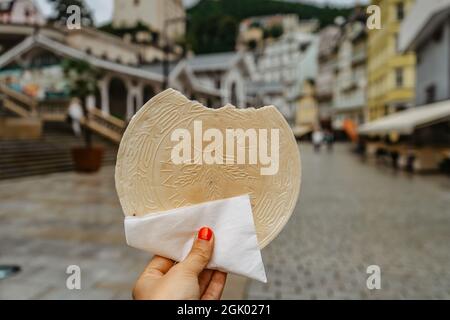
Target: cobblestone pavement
{"x":351,"y":215}
{"x":49,"y":223}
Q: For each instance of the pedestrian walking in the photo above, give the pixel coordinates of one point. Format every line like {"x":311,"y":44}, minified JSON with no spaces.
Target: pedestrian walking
{"x":75,"y":114}
{"x":329,"y":140}
{"x":317,"y":139}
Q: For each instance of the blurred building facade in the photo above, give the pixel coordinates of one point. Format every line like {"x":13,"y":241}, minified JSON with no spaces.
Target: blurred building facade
{"x":20,"y":12}
{"x":157,"y":14}
{"x":289,"y":62}
{"x":326,"y":78}
{"x":225,"y":72}
{"x":351,"y":78}
{"x":307,"y":113}
{"x":31,"y":65}
{"x":426,"y":31}
{"x":104,"y":45}
{"x":122,"y":50}
{"x":256,"y":32}
{"x":391,"y":74}
{"x":418,"y":139}
{"x":122,"y":89}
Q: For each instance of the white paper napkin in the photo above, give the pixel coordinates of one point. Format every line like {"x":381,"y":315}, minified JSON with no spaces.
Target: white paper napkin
{"x":171,"y":234}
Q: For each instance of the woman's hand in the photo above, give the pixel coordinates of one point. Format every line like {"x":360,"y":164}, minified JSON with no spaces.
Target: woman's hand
{"x":187,"y":280}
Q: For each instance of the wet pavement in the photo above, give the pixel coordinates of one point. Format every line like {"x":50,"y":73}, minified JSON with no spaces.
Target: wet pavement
{"x":49,"y":223}
{"x":350,"y":215}
{"x":52,"y":222}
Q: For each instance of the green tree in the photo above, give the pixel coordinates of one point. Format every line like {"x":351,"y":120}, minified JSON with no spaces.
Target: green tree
{"x":216,"y":33}
{"x":213,"y":24}
{"x":82,"y":81}
{"x":81,"y":76}
{"x":60,"y":11}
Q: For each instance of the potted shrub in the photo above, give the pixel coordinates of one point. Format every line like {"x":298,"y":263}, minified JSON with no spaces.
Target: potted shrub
{"x":82,"y":80}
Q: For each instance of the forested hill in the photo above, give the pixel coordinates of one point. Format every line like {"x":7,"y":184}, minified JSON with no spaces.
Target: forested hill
{"x":213,"y":24}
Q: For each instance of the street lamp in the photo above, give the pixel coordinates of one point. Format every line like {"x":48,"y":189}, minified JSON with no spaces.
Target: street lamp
{"x":167,"y":48}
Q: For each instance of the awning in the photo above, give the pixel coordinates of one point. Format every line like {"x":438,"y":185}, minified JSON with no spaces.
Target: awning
{"x":405,"y":122}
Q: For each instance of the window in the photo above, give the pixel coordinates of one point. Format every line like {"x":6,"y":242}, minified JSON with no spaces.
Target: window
{"x":234,"y":99}
{"x":400,"y":8}
{"x":396,"y":39}
{"x":437,"y":35}
{"x":303,"y":47}
{"x":430,"y":93}
{"x":218,"y":83}
{"x":399,"y":77}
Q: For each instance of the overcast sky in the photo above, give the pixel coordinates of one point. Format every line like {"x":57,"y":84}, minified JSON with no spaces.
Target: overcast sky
{"x":103,"y":8}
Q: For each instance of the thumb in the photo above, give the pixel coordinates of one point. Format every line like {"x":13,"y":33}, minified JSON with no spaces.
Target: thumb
{"x":201,"y":252}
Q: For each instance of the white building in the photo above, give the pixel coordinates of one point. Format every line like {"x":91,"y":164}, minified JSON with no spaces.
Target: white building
{"x":326,"y":78}
{"x":260,"y":94}
{"x":104,"y":45}
{"x":154,"y":13}
{"x":127,"y":78}
{"x":426,"y":30}
{"x":121,"y":90}
{"x":20,"y":12}
{"x":289,"y":61}
{"x":349,"y":94}
{"x":113,"y":48}
{"x":227,"y":72}
{"x":255,"y":28}
{"x":125,"y":84}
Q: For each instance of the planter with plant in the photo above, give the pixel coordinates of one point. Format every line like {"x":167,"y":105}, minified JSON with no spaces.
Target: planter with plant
{"x":82,"y":81}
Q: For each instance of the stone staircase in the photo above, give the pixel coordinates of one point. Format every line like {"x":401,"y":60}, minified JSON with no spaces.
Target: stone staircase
{"x":50,"y":154}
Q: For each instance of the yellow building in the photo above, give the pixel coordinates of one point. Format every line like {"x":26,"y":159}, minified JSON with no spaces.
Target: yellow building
{"x":391,"y":75}
{"x":307,"y":115}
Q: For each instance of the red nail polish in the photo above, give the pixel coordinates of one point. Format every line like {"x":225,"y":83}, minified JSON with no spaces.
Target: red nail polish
{"x":205,"y":233}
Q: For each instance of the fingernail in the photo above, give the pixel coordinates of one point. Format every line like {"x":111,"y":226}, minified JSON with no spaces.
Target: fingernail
{"x":205,"y":233}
